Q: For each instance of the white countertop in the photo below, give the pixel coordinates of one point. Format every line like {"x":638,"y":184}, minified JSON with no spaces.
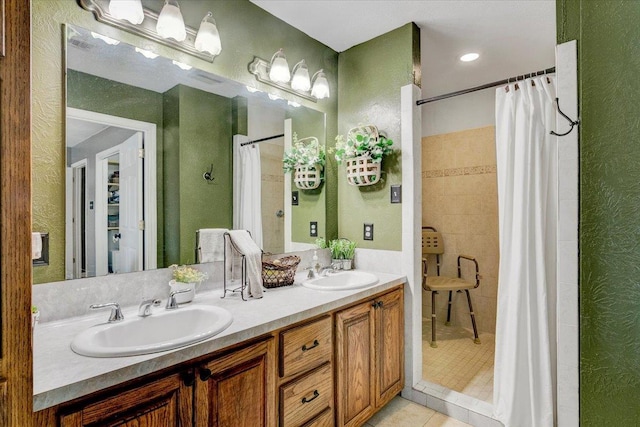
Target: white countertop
{"x":60,"y":375}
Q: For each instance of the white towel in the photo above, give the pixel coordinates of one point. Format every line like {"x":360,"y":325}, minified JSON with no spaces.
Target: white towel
{"x":211,"y":244}
{"x":36,"y":246}
{"x":245,"y":244}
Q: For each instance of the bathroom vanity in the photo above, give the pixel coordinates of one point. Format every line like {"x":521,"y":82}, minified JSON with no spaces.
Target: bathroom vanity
{"x":297,"y":357}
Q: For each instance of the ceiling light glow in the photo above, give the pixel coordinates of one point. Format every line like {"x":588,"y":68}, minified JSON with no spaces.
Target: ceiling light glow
{"x":147,"y":53}
{"x":468,"y":57}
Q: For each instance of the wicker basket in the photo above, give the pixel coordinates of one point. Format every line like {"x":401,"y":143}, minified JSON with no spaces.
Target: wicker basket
{"x":363,"y":171}
{"x":308,"y":177}
{"x":279,"y":272}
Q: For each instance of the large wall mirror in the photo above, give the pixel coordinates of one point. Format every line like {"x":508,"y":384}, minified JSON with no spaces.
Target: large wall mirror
{"x":150,"y":158}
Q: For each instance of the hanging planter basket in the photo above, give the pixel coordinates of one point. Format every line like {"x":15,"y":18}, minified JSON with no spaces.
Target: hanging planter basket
{"x":362,"y":171}
{"x":308,"y":177}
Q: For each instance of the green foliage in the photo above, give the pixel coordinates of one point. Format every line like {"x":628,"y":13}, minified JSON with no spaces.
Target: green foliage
{"x":340,"y":248}
{"x":361,"y":142}
{"x":186,"y":274}
{"x":304,"y":154}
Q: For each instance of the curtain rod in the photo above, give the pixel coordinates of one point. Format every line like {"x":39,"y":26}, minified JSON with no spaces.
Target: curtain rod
{"x":486,"y":86}
{"x":255,"y":141}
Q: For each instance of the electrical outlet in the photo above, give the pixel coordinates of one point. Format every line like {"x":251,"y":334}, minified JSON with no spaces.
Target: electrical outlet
{"x":368,"y":232}
{"x":294,"y":198}
{"x":313,"y":229}
{"x":396,"y":194}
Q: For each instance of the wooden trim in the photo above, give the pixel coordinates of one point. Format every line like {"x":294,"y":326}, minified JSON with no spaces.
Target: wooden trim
{"x":1,"y":28}
{"x":15,"y":215}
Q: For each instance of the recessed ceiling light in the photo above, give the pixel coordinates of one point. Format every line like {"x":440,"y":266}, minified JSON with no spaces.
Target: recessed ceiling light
{"x":468,"y":57}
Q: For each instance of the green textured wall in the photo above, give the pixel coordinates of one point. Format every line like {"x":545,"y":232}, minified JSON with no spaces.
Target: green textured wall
{"x":609,"y":90}
{"x":200,"y":134}
{"x":93,"y":93}
{"x":246,"y":31}
{"x":311,"y":207}
{"x":370,"y":77}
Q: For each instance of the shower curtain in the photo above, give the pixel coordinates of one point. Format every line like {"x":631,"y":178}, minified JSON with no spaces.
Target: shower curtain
{"x":247,"y":188}
{"x":525,"y":372}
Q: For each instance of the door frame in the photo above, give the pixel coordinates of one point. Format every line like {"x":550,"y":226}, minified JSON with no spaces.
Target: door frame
{"x":149,"y":174}
{"x":73,"y":226}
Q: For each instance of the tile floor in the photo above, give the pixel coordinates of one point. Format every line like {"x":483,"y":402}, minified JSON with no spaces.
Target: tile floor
{"x":457,"y":363}
{"x":404,"y":413}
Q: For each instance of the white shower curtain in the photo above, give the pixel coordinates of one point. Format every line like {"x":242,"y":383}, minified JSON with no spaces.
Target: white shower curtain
{"x":247,"y":188}
{"x":525,"y":372}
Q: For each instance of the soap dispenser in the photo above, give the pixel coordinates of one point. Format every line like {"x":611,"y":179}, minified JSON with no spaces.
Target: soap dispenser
{"x":315,"y":263}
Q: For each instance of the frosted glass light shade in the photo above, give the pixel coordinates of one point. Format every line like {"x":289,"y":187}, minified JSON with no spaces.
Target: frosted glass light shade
{"x":208,"y":38}
{"x":279,"y":70}
{"x":300,"y":80}
{"x":320,"y":85}
{"x":170,"y":22}
{"x":129,"y":10}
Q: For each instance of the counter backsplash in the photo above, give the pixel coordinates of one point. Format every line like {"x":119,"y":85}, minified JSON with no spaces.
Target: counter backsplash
{"x":70,"y":298}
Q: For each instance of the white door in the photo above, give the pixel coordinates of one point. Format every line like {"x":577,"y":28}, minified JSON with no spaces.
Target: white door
{"x":131,"y":255}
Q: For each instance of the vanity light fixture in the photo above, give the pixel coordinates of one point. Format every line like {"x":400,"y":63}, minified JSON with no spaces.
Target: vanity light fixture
{"x":147,"y":53}
{"x":279,"y":68}
{"x":107,"y":40}
{"x":130,"y":10}
{"x":269,"y":73}
{"x":300,"y":80}
{"x":468,"y":57}
{"x":208,"y":38}
{"x":166,"y":26}
{"x":182,"y":65}
{"x":320,"y":85}
{"x":170,"y":22}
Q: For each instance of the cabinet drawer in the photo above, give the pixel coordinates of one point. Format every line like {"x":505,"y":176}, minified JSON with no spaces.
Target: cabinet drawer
{"x":305,"y":347}
{"x":304,"y":398}
{"x":325,"y":419}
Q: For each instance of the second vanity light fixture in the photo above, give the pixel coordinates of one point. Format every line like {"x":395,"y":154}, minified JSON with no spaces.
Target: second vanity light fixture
{"x":276,"y":73}
{"x":167,"y":27}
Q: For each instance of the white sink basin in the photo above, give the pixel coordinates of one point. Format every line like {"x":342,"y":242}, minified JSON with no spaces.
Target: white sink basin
{"x":162,"y":330}
{"x":342,"y":281}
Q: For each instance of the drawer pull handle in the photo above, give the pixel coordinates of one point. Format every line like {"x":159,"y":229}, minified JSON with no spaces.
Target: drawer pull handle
{"x":315,"y":344}
{"x":315,"y":396}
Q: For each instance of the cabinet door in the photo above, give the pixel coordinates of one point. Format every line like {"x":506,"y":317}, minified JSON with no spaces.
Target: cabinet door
{"x":238,"y":389}
{"x":162,"y":403}
{"x":389,"y":346}
{"x":355,"y":331}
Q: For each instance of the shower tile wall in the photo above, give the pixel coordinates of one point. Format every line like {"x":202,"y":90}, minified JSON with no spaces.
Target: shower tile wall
{"x":272,"y":196}
{"x":460,"y":200}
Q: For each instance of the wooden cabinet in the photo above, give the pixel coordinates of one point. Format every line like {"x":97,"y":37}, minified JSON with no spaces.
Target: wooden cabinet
{"x":369,"y":357}
{"x":162,"y":403}
{"x":238,"y":389}
{"x":306,"y":374}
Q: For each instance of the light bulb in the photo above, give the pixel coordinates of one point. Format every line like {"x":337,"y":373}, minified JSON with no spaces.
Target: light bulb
{"x":170,"y":22}
{"x":147,"y":53}
{"x":320,"y":85}
{"x":182,"y":65}
{"x":468,"y":57}
{"x":208,"y":38}
{"x":107,"y":40}
{"x":279,"y":70}
{"x":129,"y":10}
{"x":300,"y":80}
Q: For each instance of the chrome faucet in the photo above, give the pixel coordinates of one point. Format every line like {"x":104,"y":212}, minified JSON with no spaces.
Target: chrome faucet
{"x":322,"y":271}
{"x":116,"y":313}
{"x":172,"y":304}
{"x":144,"y":309}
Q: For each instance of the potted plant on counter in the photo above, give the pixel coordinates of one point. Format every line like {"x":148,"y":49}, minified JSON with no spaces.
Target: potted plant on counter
{"x":306,"y":160}
{"x":185,"y":277}
{"x":363,"y":151}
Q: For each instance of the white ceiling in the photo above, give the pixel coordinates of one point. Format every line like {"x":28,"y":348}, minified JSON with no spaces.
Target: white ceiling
{"x":79,"y":131}
{"x":512,"y":36}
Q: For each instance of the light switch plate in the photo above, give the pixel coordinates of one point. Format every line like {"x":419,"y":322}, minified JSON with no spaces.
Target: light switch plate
{"x":313,"y":229}
{"x":396,"y":193}
{"x":294,"y":198}
{"x":368,"y":232}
